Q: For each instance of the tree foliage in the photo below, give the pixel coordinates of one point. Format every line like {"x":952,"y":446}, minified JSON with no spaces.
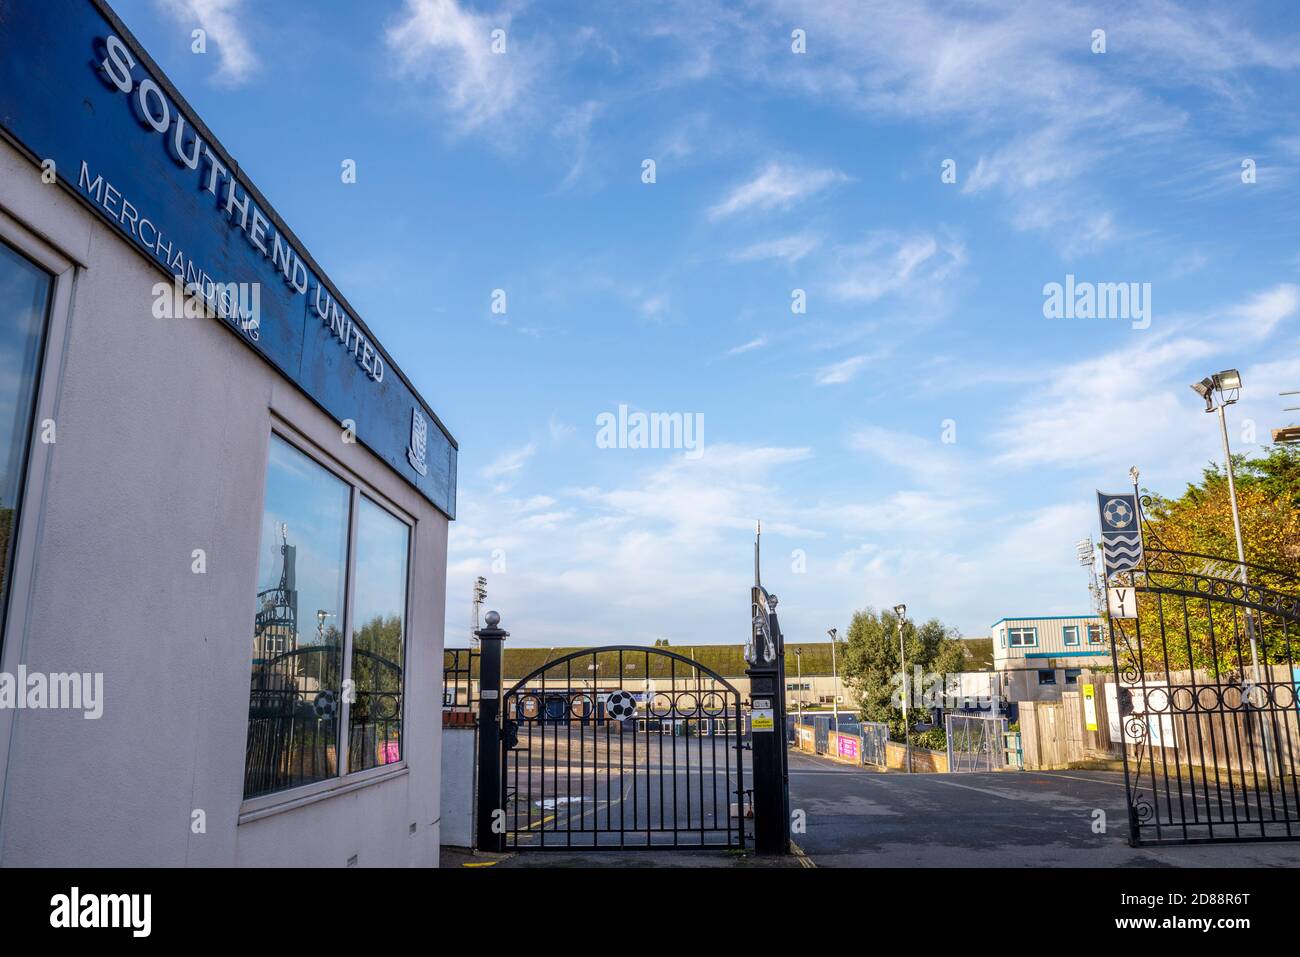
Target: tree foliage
{"x":1214,"y":636}
{"x":871,"y":664}
{"x":1268,"y":500}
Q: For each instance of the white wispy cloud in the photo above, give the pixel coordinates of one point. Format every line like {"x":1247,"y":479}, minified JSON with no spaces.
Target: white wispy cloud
{"x":756,"y":343}
{"x":788,"y":249}
{"x":224,"y":22}
{"x":1132,"y":405}
{"x":888,"y":262}
{"x":776,"y":186}
{"x":1261,"y":314}
{"x":439,"y":38}
{"x":1026,"y":107}
{"x":509,"y":462}
{"x":840,"y":372}
{"x":928,"y":461}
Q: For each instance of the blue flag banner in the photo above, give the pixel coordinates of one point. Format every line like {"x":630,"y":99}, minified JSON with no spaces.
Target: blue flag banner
{"x":1121,"y":540}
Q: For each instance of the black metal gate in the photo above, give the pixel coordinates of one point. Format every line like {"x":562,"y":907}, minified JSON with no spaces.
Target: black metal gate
{"x":1206,"y":701}
{"x":623,"y":747}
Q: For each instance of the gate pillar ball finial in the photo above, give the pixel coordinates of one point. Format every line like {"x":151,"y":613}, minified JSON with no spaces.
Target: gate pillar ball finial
{"x":491,"y":786}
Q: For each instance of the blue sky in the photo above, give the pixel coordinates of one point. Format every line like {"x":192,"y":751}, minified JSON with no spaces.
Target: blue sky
{"x":775,"y":171}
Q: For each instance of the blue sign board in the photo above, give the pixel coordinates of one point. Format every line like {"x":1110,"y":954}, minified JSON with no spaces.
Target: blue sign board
{"x":77,"y":91}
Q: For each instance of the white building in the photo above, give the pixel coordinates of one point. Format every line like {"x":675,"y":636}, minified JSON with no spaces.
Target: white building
{"x":1039,"y":657}
{"x":214,"y":520}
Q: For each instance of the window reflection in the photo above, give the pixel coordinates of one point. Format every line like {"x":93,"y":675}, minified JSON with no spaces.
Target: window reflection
{"x":295,"y":698}
{"x":24,"y":300}
{"x":378,"y":638}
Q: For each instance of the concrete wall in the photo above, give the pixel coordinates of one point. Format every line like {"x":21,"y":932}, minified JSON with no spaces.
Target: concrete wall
{"x":459,"y":771}
{"x":163,"y":427}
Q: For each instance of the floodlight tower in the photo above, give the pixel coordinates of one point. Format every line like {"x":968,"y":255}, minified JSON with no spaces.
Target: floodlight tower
{"x":480,"y":596}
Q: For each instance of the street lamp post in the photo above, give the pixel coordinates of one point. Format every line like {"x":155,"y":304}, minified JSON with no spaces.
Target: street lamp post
{"x":835,"y":682}
{"x":900,"y":613}
{"x":1227,"y":386}
{"x":798,"y":661}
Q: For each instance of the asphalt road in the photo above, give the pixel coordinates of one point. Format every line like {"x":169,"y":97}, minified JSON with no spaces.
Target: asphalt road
{"x":861,"y":818}
{"x":572,"y":787}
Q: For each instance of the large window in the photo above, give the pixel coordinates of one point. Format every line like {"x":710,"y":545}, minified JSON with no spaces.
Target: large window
{"x":319,"y":666}
{"x":1071,"y":633}
{"x":25,"y":292}
{"x":378,"y":638}
{"x":1023,"y":637}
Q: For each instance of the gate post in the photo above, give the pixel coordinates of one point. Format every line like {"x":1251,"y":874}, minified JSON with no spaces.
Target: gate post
{"x":491,"y":798}
{"x":771,"y":776}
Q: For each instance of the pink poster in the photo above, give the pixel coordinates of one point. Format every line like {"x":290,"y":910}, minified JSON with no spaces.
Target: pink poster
{"x":390,"y":752}
{"x":848,"y":747}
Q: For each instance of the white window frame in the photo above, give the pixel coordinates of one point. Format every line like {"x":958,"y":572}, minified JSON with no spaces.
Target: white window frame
{"x":1066,"y":632}
{"x":252,"y":809}
{"x":1013,"y":632}
{"x":63,"y":266}
{"x":1097,"y":630}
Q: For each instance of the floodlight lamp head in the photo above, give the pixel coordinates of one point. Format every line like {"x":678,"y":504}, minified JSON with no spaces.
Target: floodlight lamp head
{"x":1229,"y":380}
{"x":1205,"y":389}
{"x":900,"y":611}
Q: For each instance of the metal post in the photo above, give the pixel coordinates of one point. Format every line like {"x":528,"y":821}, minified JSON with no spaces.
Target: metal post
{"x":771,"y":775}
{"x":491,"y":787}
{"x":798,"y":660}
{"x":902,"y":664}
{"x":835,"y":698}
{"x":1265,"y":736}
{"x":1236,"y":531}
{"x":771,"y":826}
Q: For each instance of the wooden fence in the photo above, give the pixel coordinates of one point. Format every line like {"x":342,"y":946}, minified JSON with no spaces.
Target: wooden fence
{"x":1055,"y":734}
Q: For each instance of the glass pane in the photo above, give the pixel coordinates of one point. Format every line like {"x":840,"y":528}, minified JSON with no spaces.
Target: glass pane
{"x":378,"y":638}
{"x":24,"y":299}
{"x":294,"y":702}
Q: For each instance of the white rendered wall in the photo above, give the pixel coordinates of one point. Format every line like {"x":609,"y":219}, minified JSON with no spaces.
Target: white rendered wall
{"x":459,"y":757}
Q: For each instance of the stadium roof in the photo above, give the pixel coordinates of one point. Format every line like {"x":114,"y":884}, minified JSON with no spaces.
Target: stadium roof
{"x":726,"y":660}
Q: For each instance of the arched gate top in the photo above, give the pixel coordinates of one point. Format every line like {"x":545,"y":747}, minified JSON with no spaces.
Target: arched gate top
{"x":635,"y":649}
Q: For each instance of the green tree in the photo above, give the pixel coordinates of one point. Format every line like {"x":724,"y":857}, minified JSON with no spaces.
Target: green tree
{"x":1268,"y":500}
{"x":1211,"y":635}
{"x":871,"y":666}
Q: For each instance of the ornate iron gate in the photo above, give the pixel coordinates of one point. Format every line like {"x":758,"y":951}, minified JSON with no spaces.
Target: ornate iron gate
{"x":622,"y":747}
{"x":1206,"y":702}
